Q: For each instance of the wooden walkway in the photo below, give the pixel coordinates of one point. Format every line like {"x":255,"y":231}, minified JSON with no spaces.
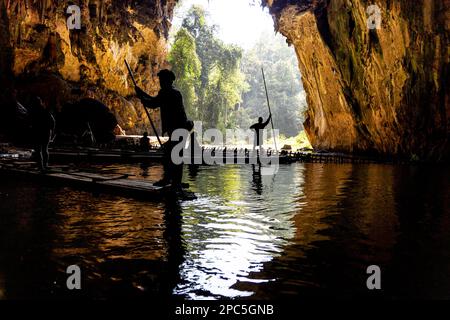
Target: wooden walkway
{"x":223,"y":155}
{"x":104,"y":155}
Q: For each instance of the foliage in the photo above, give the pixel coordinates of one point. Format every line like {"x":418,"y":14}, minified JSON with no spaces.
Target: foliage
{"x":297,"y":142}
{"x":187,"y":66}
{"x":222,"y":85}
{"x":287,"y":98}
{"x":208,"y":70}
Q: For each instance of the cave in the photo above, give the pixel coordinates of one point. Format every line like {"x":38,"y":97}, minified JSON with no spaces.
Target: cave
{"x":364,"y":217}
{"x":381,"y":92}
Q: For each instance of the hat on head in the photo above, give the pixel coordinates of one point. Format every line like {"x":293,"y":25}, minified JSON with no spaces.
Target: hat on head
{"x":166,"y":74}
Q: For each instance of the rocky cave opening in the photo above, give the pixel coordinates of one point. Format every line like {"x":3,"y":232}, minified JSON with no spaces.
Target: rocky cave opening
{"x":381,"y":91}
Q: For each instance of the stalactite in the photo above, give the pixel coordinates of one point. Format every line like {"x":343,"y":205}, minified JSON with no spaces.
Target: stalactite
{"x":6,"y":52}
{"x":19,"y":34}
{"x":43,"y":46}
{"x":101,"y":9}
{"x":49,"y":55}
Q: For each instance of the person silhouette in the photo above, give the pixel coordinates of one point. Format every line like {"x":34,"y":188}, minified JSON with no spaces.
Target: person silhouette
{"x":144,"y":143}
{"x":43,"y":129}
{"x":258,"y":127}
{"x":173,"y":117}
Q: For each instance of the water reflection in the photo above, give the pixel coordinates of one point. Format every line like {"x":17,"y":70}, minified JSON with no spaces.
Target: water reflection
{"x":311,"y":230}
{"x":257,"y":179}
{"x":175,"y":243}
{"x":231,"y":231}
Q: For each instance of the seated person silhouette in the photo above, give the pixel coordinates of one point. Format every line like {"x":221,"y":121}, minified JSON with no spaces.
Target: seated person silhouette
{"x":144,"y":143}
{"x":259,"y":127}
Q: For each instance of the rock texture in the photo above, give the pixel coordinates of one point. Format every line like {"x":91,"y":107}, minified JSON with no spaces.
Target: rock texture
{"x":379,"y":91}
{"x":48,"y":59}
{"x":382,"y":91}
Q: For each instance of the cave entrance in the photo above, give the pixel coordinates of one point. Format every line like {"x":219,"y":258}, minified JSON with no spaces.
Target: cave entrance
{"x":217,"y":50}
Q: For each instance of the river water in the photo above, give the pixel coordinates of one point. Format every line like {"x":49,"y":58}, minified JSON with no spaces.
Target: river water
{"x":310,"y":230}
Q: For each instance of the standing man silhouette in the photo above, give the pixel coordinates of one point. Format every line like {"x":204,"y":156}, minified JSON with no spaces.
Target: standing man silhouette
{"x":258,"y":127}
{"x":173,"y":116}
{"x":43,"y":130}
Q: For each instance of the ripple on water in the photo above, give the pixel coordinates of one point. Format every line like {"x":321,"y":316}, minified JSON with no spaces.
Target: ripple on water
{"x":309,"y":227}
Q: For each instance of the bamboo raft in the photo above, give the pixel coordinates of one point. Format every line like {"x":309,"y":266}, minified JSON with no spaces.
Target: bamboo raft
{"x":96,"y":182}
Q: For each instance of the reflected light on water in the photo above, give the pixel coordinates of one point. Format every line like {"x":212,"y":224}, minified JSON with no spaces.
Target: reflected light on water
{"x":233,"y":231}
{"x":311,"y":230}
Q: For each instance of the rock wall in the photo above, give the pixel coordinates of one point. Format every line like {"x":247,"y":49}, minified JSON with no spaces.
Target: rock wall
{"x":59,"y":64}
{"x":369,"y":91}
{"x":382,"y":91}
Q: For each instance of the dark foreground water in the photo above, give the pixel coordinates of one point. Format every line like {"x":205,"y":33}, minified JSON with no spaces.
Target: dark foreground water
{"x":310,"y":230}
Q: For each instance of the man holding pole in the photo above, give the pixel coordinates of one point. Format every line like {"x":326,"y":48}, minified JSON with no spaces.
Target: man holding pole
{"x":173,"y":116}
{"x":259,"y":127}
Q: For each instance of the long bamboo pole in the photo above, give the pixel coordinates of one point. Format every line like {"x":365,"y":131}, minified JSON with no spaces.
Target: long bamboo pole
{"x":270,"y":111}
{"x":146,"y":111}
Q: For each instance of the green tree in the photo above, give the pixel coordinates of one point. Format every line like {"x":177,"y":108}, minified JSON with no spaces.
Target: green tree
{"x":287,"y":98}
{"x":187,"y":66}
{"x":219,"y":85}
